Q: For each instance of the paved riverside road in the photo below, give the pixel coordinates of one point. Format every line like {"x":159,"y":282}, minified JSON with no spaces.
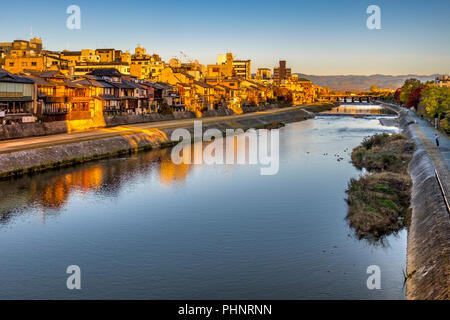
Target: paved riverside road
{"x":428,"y":132}
{"x":15,"y":145}
{"x":440,"y":156}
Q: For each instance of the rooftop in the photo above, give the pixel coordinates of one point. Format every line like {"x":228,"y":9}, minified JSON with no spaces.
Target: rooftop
{"x":5,"y":76}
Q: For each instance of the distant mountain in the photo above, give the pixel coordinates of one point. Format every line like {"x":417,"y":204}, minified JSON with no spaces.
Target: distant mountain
{"x":351,"y":82}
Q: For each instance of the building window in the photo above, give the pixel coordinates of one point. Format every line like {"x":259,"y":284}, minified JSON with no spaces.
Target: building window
{"x":11,"y":64}
{"x":33,"y":64}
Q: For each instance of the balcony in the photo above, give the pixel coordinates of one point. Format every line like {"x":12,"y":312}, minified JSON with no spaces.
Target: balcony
{"x":54,"y":99}
{"x":53,"y":111}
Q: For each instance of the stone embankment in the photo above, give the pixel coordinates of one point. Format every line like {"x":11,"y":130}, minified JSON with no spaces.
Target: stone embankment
{"x":59,"y":155}
{"x":26,"y":130}
{"x":428,"y":252}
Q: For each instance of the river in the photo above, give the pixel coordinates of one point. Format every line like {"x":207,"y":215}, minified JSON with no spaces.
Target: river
{"x":140,"y":227}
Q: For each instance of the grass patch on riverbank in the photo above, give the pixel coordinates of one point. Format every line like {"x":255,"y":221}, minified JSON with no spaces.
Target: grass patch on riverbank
{"x":378,"y":202}
{"x":384,"y":152}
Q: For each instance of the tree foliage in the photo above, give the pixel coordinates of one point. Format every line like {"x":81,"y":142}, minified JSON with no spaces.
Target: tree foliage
{"x":408,"y":86}
{"x":397,"y":95}
{"x":414,"y":97}
{"x":436,"y":100}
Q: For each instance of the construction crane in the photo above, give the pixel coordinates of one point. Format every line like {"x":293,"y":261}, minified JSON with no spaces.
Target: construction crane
{"x":186,"y":57}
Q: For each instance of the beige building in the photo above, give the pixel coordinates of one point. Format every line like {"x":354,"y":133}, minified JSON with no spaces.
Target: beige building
{"x":145,"y":66}
{"x":242,"y":69}
{"x":443,"y":81}
{"x":263,"y":74}
{"x":227,"y":67}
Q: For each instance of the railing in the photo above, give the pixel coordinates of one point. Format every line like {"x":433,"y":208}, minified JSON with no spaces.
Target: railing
{"x":442,"y":191}
{"x":54,"y":111}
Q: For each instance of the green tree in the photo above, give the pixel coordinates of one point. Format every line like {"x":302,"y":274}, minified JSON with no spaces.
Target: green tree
{"x":436,"y":100}
{"x":408,"y":86}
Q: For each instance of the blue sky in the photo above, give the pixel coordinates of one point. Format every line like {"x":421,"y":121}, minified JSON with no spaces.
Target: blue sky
{"x":315,"y":37}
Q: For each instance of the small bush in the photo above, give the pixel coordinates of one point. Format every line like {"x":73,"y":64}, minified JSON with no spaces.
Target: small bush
{"x":384,"y":152}
{"x":378,"y":204}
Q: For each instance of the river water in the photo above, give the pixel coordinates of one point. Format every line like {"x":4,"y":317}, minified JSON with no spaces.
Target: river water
{"x":140,"y":227}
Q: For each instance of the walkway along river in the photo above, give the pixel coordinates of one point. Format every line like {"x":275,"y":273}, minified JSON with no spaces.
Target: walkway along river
{"x":141,"y":227}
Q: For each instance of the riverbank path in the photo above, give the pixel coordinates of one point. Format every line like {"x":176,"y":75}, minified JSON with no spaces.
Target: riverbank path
{"x":439,"y":155}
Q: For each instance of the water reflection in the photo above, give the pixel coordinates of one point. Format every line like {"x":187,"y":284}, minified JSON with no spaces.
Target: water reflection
{"x":52,"y":190}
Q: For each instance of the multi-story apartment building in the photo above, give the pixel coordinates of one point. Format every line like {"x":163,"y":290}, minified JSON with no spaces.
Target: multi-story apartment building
{"x":146,"y":66}
{"x":227,"y":67}
{"x":242,"y":69}
{"x":22,"y":55}
{"x":263,"y":74}
{"x":281,"y":73}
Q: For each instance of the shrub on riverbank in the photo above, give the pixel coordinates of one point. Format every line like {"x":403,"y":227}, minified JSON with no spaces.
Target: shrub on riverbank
{"x":384,"y":152}
{"x":378,"y":203}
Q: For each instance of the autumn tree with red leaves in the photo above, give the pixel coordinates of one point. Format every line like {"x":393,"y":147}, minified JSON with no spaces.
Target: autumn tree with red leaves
{"x":397,"y":95}
{"x":414,"y":97}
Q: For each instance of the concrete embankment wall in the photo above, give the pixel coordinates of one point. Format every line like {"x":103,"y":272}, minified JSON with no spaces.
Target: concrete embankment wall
{"x":39,"y":159}
{"x":142,"y":118}
{"x":428,"y":250}
{"x":428,"y":253}
{"x":26,"y":130}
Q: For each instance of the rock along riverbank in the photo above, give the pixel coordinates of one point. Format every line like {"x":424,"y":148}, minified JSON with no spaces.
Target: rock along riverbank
{"x":428,"y":249}
{"x":38,"y":159}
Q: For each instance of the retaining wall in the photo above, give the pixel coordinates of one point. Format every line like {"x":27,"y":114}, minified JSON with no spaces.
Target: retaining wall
{"x":428,"y":249}
{"x":428,"y":252}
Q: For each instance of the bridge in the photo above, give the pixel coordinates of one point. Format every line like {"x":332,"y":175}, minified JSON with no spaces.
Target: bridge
{"x":353,"y":98}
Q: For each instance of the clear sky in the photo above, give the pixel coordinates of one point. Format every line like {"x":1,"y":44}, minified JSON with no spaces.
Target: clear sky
{"x":315,"y":37}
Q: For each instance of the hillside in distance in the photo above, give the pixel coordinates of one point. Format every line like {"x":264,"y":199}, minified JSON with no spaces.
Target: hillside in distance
{"x":354,"y":82}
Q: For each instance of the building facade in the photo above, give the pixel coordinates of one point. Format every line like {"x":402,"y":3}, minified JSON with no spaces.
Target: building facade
{"x":17,"y":98}
{"x":281,"y":73}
